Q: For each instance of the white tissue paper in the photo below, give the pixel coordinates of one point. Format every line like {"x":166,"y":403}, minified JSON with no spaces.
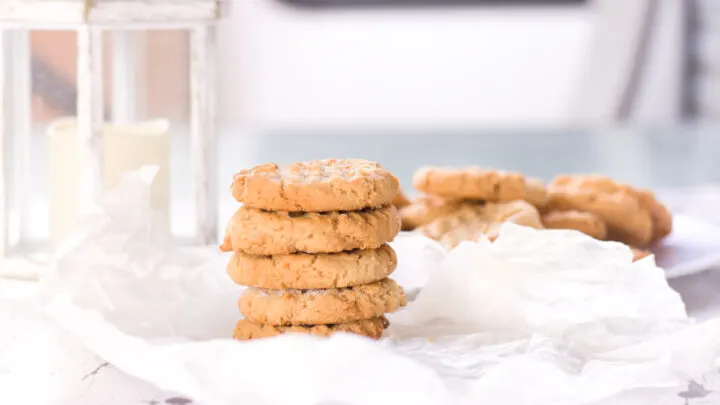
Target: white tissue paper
{"x":537,"y":317}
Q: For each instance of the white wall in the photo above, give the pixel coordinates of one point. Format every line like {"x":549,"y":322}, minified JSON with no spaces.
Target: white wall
{"x":284,"y":67}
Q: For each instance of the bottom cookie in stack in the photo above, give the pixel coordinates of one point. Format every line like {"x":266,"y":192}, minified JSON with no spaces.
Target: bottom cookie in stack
{"x":372,"y":328}
{"x":318,"y":294}
{"x":335,"y":309}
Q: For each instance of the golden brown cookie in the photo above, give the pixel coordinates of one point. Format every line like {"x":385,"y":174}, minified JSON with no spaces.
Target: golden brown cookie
{"x":400,"y":200}
{"x":372,"y":328}
{"x":639,"y":253}
{"x":425,"y":210}
{"x":627,"y":219}
{"x":316,"y":186}
{"x":660,"y":214}
{"x":470,"y":183}
{"x":313,"y":271}
{"x":259,"y":232}
{"x":537,"y":194}
{"x":585,"y":222}
{"x":321,"y":307}
{"x":471,"y":221}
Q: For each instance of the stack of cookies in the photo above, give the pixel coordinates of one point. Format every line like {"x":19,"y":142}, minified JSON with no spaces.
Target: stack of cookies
{"x":463,"y":204}
{"x":310,"y":242}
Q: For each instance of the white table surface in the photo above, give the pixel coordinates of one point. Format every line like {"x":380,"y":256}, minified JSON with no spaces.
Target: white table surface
{"x":40,"y":363}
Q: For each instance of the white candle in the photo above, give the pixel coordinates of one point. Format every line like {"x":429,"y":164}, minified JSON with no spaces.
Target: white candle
{"x":126,"y":147}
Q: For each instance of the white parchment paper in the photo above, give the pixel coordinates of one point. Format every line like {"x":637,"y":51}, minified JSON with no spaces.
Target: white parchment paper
{"x":537,"y":317}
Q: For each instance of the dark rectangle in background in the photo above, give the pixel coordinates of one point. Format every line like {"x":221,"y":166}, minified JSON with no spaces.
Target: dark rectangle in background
{"x":432,"y":3}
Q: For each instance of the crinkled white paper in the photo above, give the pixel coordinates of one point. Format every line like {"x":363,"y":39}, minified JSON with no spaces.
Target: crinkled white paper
{"x":538,"y":317}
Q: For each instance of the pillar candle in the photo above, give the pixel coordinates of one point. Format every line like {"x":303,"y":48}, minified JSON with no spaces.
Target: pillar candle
{"x":126,"y":147}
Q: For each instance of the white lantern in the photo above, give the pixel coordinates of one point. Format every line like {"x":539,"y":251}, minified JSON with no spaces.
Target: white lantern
{"x":92,"y":20}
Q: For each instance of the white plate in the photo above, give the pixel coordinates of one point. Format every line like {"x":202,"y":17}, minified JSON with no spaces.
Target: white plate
{"x":693,"y":247}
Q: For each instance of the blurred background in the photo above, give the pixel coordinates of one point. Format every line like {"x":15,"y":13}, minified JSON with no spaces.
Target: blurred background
{"x":340,"y":64}
{"x":630,"y":89}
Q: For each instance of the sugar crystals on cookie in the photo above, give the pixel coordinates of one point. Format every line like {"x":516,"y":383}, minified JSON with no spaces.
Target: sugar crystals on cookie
{"x":316,"y":186}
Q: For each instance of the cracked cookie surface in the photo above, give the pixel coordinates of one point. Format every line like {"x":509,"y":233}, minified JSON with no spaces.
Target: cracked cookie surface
{"x":321,"y":307}
{"x":316,"y":186}
{"x":313,"y":271}
{"x":372,"y":328}
{"x":261,"y":232}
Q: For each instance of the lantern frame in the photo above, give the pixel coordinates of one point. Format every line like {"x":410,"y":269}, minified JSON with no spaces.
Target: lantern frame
{"x":90,"y":19}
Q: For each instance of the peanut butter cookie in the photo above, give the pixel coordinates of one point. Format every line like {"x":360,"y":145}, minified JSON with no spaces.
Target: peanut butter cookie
{"x":259,"y":232}
{"x":313,"y":271}
{"x":400,"y":200}
{"x":627,"y":219}
{"x":425,"y":210}
{"x":471,"y":221}
{"x":321,"y":307}
{"x":585,"y":222}
{"x":372,"y":328}
{"x":316,"y":186}
{"x":537,"y":194}
{"x":470,"y":183}
{"x":660,"y":214}
{"x":639,"y":253}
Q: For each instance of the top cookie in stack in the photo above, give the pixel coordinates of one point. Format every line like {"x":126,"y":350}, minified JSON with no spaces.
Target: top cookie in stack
{"x":311,"y":241}
{"x":466,"y":203}
{"x":316,"y":186}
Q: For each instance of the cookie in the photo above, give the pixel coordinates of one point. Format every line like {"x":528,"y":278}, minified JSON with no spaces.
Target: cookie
{"x":585,"y":222}
{"x":400,"y":200}
{"x":536,"y":193}
{"x":316,"y":186}
{"x":259,"y":232}
{"x":639,"y":253}
{"x":372,"y":328}
{"x":660,"y":214}
{"x":321,"y":307}
{"x":313,"y":271}
{"x":470,"y":183}
{"x":627,"y":219}
{"x":425,"y":210}
{"x":472,"y":221}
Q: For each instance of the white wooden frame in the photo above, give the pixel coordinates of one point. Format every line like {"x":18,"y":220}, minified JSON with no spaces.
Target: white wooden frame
{"x":52,"y":13}
{"x":90,"y":18}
